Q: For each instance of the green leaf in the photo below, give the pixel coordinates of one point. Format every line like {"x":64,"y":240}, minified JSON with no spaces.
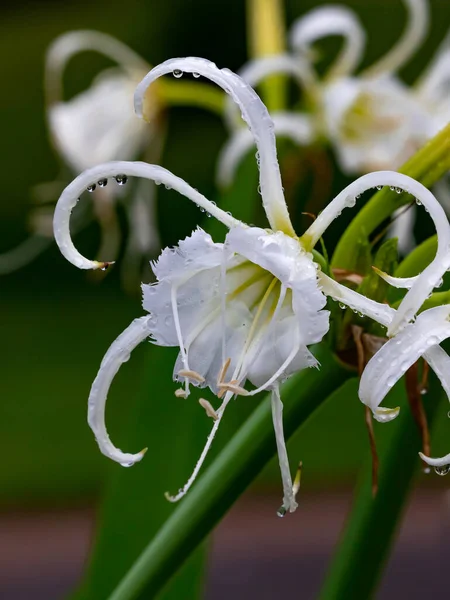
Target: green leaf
{"x":228,"y":476}
{"x":373,"y":522}
{"x":374,"y":286}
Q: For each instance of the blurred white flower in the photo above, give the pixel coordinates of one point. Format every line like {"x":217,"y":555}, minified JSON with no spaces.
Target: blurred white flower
{"x":241,"y":311}
{"x":372,"y":119}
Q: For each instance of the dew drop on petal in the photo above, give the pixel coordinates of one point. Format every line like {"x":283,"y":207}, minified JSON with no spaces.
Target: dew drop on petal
{"x":102,"y":182}
{"x":121,"y":179}
{"x":196,"y":75}
{"x":91,"y":188}
{"x":379,"y":187}
{"x":444,"y":470}
{"x":281,"y":512}
{"x":427,"y":470}
{"x":342,"y":306}
{"x":177,"y":73}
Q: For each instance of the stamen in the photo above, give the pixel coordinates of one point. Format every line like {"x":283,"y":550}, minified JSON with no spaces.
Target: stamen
{"x":234,"y":387}
{"x":189,"y":374}
{"x":180,"y":393}
{"x":183,"y":491}
{"x":223,"y":371}
{"x":208,"y":408}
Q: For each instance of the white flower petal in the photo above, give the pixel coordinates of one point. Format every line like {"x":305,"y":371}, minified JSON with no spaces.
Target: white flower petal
{"x":98,"y":124}
{"x":289,"y":502}
{"x":398,"y":282}
{"x":71,"y":194}
{"x":295,"y":127}
{"x":381,"y":313}
{"x":398,"y":354}
{"x":331,"y":20}
{"x":431,"y":276}
{"x":402,"y":228}
{"x":117,"y":354}
{"x":256,"y":70}
{"x":408,"y":44}
{"x":254,"y":114}
{"x":67,"y":45}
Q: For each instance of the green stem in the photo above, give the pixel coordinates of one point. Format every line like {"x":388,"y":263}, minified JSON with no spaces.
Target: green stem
{"x":228,"y":476}
{"x":191,"y":93}
{"x":266,"y":37}
{"x":419,"y":258}
{"x":427,"y":166}
{"x":373,"y":522}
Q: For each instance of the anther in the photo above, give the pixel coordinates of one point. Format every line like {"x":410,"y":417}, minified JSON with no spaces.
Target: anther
{"x":223,"y":371}
{"x":191,"y":375}
{"x":208,"y":408}
{"x":180,"y":393}
{"x":232,"y":386}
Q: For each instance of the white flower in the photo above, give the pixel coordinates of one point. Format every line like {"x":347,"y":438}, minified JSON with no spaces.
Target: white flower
{"x":242,"y":311}
{"x":372,"y":119}
{"x":95,"y":126}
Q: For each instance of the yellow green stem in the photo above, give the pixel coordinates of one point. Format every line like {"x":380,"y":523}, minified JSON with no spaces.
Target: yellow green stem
{"x":191,"y":93}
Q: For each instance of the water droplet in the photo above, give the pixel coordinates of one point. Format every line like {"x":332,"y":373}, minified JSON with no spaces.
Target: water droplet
{"x":177,"y":73}
{"x":392,"y":188}
{"x":259,"y":189}
{"x":281,"y":512}
{"x":167,"y":187}
{"x":121,"y":179}
{"x":424,"y":391}
{"x":91,"y":188}
{"x":390,"y":382}
{"x":196,"y":75}
{"x":102,"y":182}
{"x":379,"y":187}
{"x":444,"y":470}
{"x":127,"y":464}
{"x":427,"y":470}
{"x":342,"y":306}
{"x":418,"y":202}
{"x":399,"y":190}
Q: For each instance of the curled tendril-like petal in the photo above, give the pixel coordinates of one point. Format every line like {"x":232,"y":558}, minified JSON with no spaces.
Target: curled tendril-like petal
{"x":71,"y":194}
{"x":254,"y":113}
{"x":255,"y":71}
{"x":431,"y":276}
{"x":296,"y":127}
{"x":67,"y":45}
{"x":117,"y":354}
{"x":331,"y":20}
{"x":396,"y":356}
{"x":413,"y":36}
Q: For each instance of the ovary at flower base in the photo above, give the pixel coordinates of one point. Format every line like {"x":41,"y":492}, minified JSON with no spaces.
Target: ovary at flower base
{"x":242,"y":312}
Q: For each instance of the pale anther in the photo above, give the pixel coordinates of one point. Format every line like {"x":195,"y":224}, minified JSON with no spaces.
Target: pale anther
{"x":223,"y":371}
{"x":208,"y":408}
{"x":191,"y":375}
{"x":232,"y":386}
{"x":180,"y":393}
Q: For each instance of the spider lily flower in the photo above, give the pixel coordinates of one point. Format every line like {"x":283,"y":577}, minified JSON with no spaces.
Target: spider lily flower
{"x":242,"y":312}
{"x":372,"y":119}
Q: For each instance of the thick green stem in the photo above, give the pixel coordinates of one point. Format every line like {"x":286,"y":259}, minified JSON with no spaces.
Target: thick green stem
{"x":228,"y":476}
{"x":427,"y":166}
{"x":369,"y":534}
{"x":266,"y":37}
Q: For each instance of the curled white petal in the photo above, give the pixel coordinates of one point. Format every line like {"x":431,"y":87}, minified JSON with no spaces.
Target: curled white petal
{"x":430,"y":277}
{"x":381,"y":313}
{"x":71,"y":194}
{"x":117,"y":354}
{"x":67,"y":45}
{"x":402,"y":228}
{"x":395,"y":357}
{"x":255,"y":71}
{"x":398,"y":282}
{"x":289,"y":502}
{"x":331,"y":20}
{"x":296,"y":127}
{"x":254,"y":113}
{"x":413,"y":36}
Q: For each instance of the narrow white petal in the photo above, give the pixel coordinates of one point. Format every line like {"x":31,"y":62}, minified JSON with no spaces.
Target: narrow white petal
{"x":398,"y":354}
{"x":398,"y":282}
{"x":70,"y":197}
{"x":24,"y":253}
{"x":117,"y":354}
{"x":439,"y":361}
{"x":289,"y":502}
{"x":412,"y":38}
{"x":402,"y":228}
{"x":255,"y":71}
{"x":430,"y":277}
{"x":331,"y":20}
{"x":254,"y":114}
{"x":295,"y":127}
{"x":67,"y":45}
{"x":381,"y":313}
